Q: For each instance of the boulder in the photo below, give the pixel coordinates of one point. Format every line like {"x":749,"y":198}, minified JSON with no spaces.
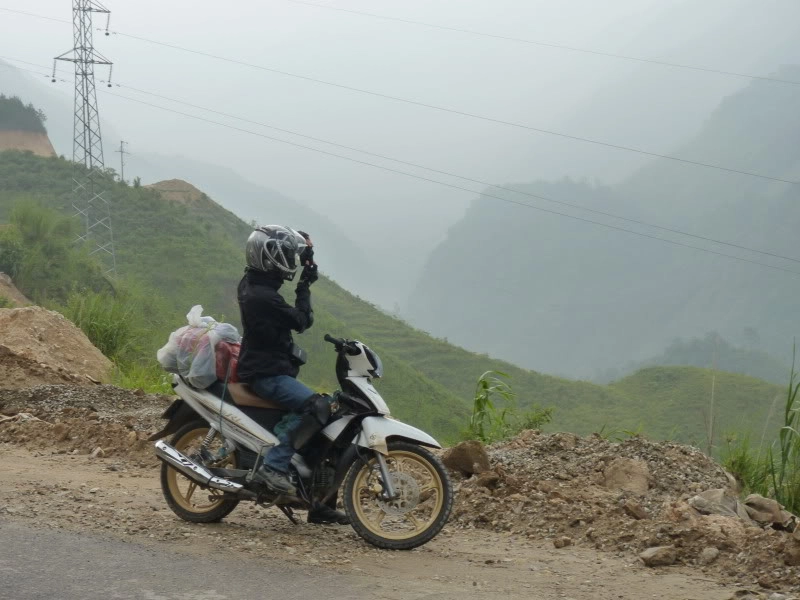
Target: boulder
{"x":627,"y":474}
{"x":659,"y":556}
{"x":767,"y":511}
{"x":791,"y":552}
{"x":488,"y":479}
{"x":719,"y":501}
{"x":562,"y":542}
{"x":708,"y":555}
{"x":635,"y":510}
{"x":468,"y":458}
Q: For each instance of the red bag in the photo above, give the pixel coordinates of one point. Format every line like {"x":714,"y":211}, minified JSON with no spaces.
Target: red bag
{"x":227,"y":355}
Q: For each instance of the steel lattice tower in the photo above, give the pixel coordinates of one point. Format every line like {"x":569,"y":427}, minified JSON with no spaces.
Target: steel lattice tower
{"x":89,"y":200}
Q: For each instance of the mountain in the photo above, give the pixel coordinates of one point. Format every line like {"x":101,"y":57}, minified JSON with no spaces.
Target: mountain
{"x":339,"y":256}
{"x":22,"y":127}
{"x":182,"y":248}
{"x":566,"y":296}
{"x":712,"y":352}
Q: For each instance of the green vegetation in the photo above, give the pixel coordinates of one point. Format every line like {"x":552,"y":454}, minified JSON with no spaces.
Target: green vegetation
{"x":171,"y":257}
{"x":492,"y":421}
{"x":711,"y":350}
{"x":568,"y":297}
{"x":16,"y":116}
{"x":773,"y":471}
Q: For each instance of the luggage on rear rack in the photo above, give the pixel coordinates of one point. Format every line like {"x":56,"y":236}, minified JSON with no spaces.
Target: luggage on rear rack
{"x":192,"y":350}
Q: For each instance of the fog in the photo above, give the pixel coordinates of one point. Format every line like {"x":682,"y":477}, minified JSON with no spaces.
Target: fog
{"x":398,"y":220}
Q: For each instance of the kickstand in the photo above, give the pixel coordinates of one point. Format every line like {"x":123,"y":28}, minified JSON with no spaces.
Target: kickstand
{"x":289,"y":514}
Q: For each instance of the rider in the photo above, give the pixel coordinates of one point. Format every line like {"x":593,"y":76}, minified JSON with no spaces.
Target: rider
{"x":269,"y":360}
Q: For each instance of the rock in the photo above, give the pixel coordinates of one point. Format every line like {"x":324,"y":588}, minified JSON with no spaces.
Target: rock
{"x":562,"y":542}
{"x":627,"y":474}
{"x":659,"y":556}
{"x":488,"y":479}
{"x":767,"y":511}
{"x":720,"y":502}
{"x":708,"y":555}
{"x":468,"y":458}
{"x":97,"y":453}
{"x":635,"y":510}
{"x":791,"y":553}
{"x":132,"y":438}
{"x":60,"y":432}
{"x":777,"y":596}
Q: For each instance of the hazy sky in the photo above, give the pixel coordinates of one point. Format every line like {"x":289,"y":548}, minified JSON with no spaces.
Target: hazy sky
{"x":624,"y":102}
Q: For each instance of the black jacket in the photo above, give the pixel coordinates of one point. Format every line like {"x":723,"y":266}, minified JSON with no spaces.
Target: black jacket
{"x":268,"y":322}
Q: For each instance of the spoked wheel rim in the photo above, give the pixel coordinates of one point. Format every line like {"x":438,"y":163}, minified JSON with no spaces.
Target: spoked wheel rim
{"x":421,"y":496}
{"x":185,"y":492}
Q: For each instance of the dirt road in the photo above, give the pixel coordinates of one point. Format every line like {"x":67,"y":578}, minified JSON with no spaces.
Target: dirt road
{"x":67,"y":520}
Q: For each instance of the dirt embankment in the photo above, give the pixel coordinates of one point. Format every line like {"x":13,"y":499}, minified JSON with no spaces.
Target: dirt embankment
{"x":181,"y":192}
{"x":39,"y":346}
{"x":27,"y":141}
{"x":554,"y":495}
{"x":626,"y":498}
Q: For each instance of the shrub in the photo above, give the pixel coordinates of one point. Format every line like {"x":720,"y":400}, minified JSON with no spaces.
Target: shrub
{"x":108,"y":321}
{"x":775,"y":473}
{"x":489,"y":423}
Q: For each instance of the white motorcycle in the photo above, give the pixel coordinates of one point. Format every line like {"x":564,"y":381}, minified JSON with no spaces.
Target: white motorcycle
{"x":396,"y":492}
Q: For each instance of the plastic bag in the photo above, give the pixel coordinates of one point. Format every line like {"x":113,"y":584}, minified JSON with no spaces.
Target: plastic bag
{"x":228,"y":361}
{"x":191,"y":350}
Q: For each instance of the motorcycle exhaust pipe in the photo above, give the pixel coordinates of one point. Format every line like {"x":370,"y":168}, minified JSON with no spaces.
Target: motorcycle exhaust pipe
{"x":197,"y":473}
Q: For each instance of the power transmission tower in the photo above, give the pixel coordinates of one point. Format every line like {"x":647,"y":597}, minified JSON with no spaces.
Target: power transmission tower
{"x":89,"y":200}
{"x":122,"y":152}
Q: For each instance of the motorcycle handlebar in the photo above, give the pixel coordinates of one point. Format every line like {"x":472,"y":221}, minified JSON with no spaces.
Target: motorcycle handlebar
{"x":341,"y":344}
{"x":333,"y":340}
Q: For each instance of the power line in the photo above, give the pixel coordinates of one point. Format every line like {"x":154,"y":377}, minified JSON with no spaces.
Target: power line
{"x":30,"y":14}
{"x":455,"y":187}
{"x":576,"y":138}
{"x":508,"y":38}
{"x":459,"y":112}
{"x":662,"y":63}
{"x":442,"y":172}
{"x":462,"y":177}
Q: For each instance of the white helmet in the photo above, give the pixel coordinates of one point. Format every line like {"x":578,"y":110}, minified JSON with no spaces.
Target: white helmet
{"x":275,"y":248}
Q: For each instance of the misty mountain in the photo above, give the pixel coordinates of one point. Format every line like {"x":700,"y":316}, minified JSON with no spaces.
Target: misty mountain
{"x":566,"y":296}
{"x":713,"y":352}
{"x":338,"y":255}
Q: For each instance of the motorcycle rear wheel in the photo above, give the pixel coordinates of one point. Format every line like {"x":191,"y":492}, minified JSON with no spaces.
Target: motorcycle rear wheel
{"x":184,"y":497}
{"x":419,"y":512}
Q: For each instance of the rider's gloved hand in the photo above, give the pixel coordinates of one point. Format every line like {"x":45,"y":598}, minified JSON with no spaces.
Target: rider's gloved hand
{"x":307,"y":256}
{"x":309,"y":274}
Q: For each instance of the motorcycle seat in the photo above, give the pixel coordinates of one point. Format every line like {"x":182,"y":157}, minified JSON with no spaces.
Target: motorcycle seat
{"x":240,"y":394}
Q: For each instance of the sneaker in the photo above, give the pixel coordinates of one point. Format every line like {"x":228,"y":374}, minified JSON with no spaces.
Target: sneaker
{"x":275,"y":481}
{"x":325,"y":515}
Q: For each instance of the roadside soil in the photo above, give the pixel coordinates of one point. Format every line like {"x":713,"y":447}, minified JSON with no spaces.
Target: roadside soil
{"x":77,"y":458}
{"x":122,"y":498}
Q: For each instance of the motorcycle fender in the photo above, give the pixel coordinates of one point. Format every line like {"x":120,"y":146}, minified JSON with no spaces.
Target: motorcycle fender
{"x":179,"y":413}
{"x":377,"y":431}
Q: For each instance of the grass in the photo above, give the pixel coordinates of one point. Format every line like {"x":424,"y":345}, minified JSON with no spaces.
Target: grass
{"x":774,"y":471}
{"x":171,"y":257}
{"x":149,"y":377}
{"x":495,"y":415}
{"x":108,"y":321}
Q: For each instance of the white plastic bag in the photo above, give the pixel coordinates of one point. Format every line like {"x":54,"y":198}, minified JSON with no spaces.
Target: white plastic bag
{"x":190,"y":351}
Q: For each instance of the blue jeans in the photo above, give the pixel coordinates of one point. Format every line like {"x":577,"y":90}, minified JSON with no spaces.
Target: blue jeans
{"x":291,"y":395}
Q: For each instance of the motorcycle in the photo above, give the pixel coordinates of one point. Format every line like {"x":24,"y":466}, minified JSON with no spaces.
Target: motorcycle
{"x":396,"y":492}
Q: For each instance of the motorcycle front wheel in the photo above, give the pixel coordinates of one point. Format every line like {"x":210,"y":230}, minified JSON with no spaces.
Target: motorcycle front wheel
{"x":424,"y":498}
{"x":185,"y":498}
